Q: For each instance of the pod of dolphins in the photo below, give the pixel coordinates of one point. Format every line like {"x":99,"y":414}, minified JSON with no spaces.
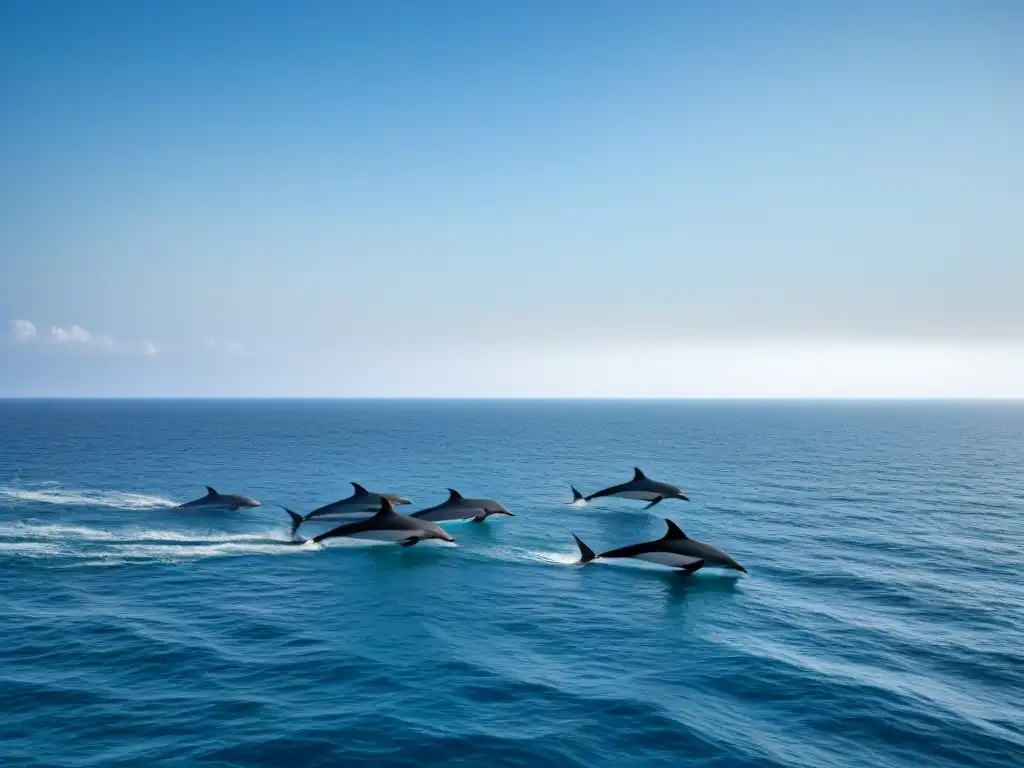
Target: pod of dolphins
{"x":372,"y":515}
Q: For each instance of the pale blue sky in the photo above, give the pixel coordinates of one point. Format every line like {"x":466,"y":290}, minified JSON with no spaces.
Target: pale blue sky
{"x":529,"y":198}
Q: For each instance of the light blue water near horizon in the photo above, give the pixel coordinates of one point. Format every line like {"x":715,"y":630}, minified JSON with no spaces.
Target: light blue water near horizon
{"x":881,"y":623}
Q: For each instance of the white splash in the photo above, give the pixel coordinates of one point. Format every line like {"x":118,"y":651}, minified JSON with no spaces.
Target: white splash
{"x":558,"y":558}
{"x":53,"y":494}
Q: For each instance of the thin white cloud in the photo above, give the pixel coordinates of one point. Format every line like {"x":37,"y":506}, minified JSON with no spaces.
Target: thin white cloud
{"x":76,"y":334}
{"x":23,"y":330}
{"x":225,"y":346}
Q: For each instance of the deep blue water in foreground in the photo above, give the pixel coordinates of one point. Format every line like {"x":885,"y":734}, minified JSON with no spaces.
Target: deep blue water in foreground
{"x":881,"y":623}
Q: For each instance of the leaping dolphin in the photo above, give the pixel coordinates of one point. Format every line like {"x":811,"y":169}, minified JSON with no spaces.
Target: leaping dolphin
{"x":643,"y":488}
{"x":458,"y":507}
{"x":674,"y":549}
{"x":388,"y":525}
{"x":214,"y":500}
{"x":357,"y":506}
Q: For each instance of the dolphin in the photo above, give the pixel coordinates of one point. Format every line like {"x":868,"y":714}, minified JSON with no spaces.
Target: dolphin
{"x":359,"y":505}
{"x":643,"y":488}
{"x":458,"y":507}
{"x":214,"y":500}
{"x":388,"y":525}
{"x":576,"y":495}
{"x":674,"y":549}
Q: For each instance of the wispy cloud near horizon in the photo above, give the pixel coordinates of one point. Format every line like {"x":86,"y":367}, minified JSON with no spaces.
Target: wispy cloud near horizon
{"x":22,"y":330}
{"x":25,"y":332}
{"x":224,"y":346}
{"x":76,"y":334}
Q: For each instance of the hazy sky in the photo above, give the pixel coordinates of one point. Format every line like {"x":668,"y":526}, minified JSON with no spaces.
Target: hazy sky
{"x":512,"y":198}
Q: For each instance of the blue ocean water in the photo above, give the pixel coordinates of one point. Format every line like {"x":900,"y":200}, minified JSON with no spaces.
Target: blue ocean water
{"x":881,"y":622}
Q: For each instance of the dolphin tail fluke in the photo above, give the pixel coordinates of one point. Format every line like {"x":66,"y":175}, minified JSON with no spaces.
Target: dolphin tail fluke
{"x":297,"y":520}
{"x":655,"y":502}
{"x":576,"y":495}
{"x":586,"y":553}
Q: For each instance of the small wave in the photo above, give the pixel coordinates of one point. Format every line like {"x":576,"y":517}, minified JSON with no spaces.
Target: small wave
{"x":32,"y":529}
{"x":558,"y":558}
{"x":578,"y":503}
{"x":95,"y":546}
{"x":84,"y":498}
{"x":29,"y":548}
{"x":177,"y":555}
{"x":164,"y":553}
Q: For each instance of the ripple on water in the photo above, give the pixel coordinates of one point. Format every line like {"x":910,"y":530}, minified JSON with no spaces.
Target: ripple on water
{"x":880,"y":623}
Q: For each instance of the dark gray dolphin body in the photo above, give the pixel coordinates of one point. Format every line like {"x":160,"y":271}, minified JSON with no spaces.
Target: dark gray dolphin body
{"x":360,"y":504}
{"x":674,"y":549}
{"x":388,"y":525}
{"x":213,"y":500}
{"x":458,"y":507}
{"x":643,"y":488}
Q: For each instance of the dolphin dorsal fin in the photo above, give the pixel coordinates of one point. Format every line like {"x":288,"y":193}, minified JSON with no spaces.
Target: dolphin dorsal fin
{"x":211,"y":491}
{"x":385,"y":508}
{"x":638,"y":474}
{"x":454,"y":495}
{"x":674,"y":531}
{"x":360,"y":491}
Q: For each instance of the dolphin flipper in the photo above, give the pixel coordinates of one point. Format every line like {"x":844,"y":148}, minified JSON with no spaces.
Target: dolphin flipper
{"x":657,"y":501}
{"x":686,"y":570}
{"x":410,"y":541}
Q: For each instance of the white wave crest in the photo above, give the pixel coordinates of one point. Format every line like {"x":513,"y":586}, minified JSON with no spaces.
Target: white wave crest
{"x":84,"y":498}
{"x":32,"y":529}
{"x":558,"y":558}
{"x":174,"y":554}
{"x":29,"y":548}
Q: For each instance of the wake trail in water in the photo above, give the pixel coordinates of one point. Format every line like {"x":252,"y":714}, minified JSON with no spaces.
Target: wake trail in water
{"x":93,"y":546}
{"x":48,"y":493}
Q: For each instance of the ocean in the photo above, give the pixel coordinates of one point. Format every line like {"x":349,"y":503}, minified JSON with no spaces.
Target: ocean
{"x":881,"y":622}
